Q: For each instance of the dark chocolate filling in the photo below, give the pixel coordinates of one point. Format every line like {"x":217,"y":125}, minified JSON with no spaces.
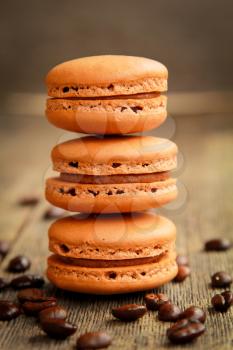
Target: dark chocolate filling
{"x":115,"y":179}
{"x":111,"y":263}
{"x":115,"y":97}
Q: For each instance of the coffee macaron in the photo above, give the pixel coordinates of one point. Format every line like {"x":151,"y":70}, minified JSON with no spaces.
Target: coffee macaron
{"x":109,"y":94}
{"x":109,"y":254}
{"x":113,"y":174}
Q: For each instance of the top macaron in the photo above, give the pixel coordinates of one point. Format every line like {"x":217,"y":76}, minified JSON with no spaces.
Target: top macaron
{"x":109,"y":94}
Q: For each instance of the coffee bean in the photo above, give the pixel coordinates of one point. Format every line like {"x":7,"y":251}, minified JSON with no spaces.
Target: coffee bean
{"x":32,"y":308}
{"x":53,"y":213}
{"x":27,"y":281}
{"x":34,"y":295}
{"x":154,"y":301}
{"x":58,"y":329}
{"x":3,"y":283}
{"x":169,"y":312}
{"x":183,"y":272}
{"x":228,"y":296}
{"x":8,"y":310}
{"x":4,"y":248}
{"x":56,"y":312}
{"x":29,"y":200}
{"x":93,"y":340}
{"x":182,"y":260}
{"x":219,"y":244}
{"x":19,"y":264}
{"x":221,"y":280}
{"x":222,"y":302}
{"x":184,"y":331}
{"x":129,"y":312}
{"x":194,"y":313}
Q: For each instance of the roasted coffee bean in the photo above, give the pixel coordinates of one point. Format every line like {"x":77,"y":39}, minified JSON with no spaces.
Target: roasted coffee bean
{"x":27,"y":281}
{"x":169,"y":312}
{"x":3,"y":283}
{"x":194,"y":313}
{"x":221,"y":280}
{"x":56,"y":312}
{"x":34,"y":295}
{"x":4,"y":248}
{"x":154,"y":301}
{"x":29,"y":200}
{"x":58,"y":329}
{"x":53,"y":213}
{"x":93,"y":340}
{"x":222,"y":302}
{"x":219,"y":244}
{"x":183,"y":272}
{"x":184,"y":331}
{"x":8,"y":310}
{"x":19,"y":264}
{"x":182,"y":260}
{"x":32,"y":308}
{"x":129,"y":312}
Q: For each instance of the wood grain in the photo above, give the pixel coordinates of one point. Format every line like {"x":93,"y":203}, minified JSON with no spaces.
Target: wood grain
{"x":204,"y":210}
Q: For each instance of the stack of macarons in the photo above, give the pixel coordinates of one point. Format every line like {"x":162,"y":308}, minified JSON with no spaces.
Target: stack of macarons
{"x":115,"y":244}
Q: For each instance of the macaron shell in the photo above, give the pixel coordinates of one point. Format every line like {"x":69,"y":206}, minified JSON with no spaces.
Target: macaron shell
{"x":106,"y":75}
{"x":135,"y":197}
{"x":115,"y":280}
{"x":107,"y":117}
{"x":115,"y":155}
{"x":112,"y":237}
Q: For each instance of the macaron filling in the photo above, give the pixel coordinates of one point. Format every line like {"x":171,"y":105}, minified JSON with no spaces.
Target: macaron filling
{"x":111,"y":263}
{"x":115,"y":179}
{"x":146,"y":95}
{"x":128,"y":105}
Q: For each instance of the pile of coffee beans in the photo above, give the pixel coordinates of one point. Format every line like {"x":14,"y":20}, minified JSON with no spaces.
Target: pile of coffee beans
{"x":52,"y":318}
{"x":189,"y":323}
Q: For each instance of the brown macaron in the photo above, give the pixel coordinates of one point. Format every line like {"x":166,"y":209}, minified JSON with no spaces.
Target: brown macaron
{"x":110,"y":254}
{"x":113,"y":174}
{"x":107,"y":94}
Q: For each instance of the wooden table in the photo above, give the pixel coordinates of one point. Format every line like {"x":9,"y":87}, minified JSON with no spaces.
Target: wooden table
{"x":203,"y":211}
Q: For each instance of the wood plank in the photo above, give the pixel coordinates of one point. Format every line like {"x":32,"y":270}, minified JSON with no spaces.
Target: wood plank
{"x":207,"y":147}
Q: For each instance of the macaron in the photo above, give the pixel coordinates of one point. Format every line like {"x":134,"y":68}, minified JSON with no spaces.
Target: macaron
{"x":113,"y":174}
{"x":109,"y":254}
{"x":107,"y":94}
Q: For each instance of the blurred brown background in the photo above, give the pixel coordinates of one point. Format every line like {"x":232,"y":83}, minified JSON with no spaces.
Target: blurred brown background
{"x":193,"y":38}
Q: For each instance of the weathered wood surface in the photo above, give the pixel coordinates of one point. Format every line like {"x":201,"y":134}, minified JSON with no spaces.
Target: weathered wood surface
{"x":206,"y":146}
